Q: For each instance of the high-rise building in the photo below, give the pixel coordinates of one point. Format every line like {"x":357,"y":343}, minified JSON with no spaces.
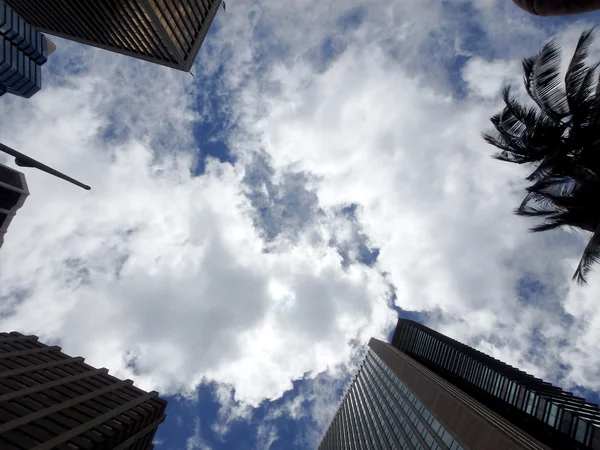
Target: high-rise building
{"x":13,"y":192}
{"x":49,"y":400}
{"x":23,"y":51}
{"x":427,"y":391}
{"x":160,"y":31}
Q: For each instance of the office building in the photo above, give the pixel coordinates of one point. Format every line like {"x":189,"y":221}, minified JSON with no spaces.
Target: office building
{"x":13,"y":192}
{"x":427,"y":391}
{"x":160,"y":31}
{"x":23,"y":51}
{"x":49,"y":400}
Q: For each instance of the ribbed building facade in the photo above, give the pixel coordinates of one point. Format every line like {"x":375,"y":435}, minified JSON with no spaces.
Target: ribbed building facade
{"x":555,"y":417}
{"x":161,"y":31}
{"x":13,"y":192}
{"x":427,"y":391}
{"x":379,"y":411}
{"x":23,"y":51}
{"x":49,"y":400}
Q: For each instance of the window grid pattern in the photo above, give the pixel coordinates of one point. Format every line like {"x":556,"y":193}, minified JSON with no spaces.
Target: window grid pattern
{"x":425,"y":424}
{"x":13,"y":193}
{"x":161,"y":31}
{"x":378,"y":411}
{"x":510,"y":392}
{"x":50,"y":400}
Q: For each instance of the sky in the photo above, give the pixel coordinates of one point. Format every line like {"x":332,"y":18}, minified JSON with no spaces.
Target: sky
{"x":248,"y":230}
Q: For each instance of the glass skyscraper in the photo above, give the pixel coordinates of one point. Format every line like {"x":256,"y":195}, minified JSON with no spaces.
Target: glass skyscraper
{"x":49,"y":400}
{"x":13,"y":192}
{"x":379,"y":411}
{"x":23,"y":51}
{"x":427,"y":391}
{"x":161,"y":31}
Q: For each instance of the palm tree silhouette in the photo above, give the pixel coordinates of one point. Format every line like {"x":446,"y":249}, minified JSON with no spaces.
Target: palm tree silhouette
{"x":560,"y":137}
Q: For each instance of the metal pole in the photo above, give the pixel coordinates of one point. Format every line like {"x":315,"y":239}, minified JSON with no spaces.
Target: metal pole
{"x":25,"y":161}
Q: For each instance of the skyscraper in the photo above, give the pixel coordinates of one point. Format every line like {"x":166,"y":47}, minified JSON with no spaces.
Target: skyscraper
{"x":49,"y":400}
{"x":23,"y":51}
{"x":426,"y":390}
{"x":160,"y":31}
{"x":13,"y":192}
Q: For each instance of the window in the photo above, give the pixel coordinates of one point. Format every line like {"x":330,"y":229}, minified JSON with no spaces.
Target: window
{"x":531,"y":404}
{"x":580,"y":429}
{"x":520,"y":397}
{"x":541,"y":408}
{"x":512,"y":387}
{"x":551,"y":414}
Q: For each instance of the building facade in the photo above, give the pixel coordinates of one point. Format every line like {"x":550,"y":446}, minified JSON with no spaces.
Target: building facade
{"x":49,"y":400}
{"x":13,"y":192}
{"x":23,"y":52}
{"x":160,"y":31}
{"x":427,"y":391}
{"x":553,"y":416}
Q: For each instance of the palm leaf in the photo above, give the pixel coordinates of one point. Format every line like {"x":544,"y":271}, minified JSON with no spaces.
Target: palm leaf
{"x":591,"y":256}
{"x":578,"y":79}
{"x":542,"y":81}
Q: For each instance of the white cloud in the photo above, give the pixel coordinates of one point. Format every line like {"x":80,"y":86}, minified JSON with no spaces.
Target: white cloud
{"x":174,"y":280}
{"x":378,"y":132}
{"x":156,"y":274}
{"x":195,"y":441}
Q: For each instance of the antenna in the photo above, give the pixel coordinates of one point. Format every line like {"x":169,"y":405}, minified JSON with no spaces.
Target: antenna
{"x":25,"y":161}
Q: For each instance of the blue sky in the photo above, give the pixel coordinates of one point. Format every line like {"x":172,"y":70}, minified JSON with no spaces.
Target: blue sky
{"x":249,"y":229}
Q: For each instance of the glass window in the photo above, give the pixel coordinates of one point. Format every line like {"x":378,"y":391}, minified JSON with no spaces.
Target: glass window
{"x":541,"y":408}
{"x":580,"y":430}
{"x":551,"y":414}
{"x":512,"y":387}
{"x":447,"y":438}
{"x":531,"y":404}
{"x":520,"y":397}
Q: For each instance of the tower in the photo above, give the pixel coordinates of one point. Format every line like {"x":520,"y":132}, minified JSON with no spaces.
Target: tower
{"x":23,"y":51}
{"x":49,"y":400}
{"x":13,"y":192}
{"x":160,"y":31}
{"x":426,"y":390}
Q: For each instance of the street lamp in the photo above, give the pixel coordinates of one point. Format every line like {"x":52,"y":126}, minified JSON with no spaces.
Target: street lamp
{"x":25,"y":161}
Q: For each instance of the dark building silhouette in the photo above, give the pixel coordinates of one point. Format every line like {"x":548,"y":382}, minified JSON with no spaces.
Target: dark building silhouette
{"x":23,"y":51}
{"x":161,"y":31}
{"x":49,"y":400}
{"x":13,"y":192}
{"x":426,"y":390}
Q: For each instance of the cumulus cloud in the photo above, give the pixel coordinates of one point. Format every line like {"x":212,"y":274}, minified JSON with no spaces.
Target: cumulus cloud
{"x":398,"y":135}
{"x":195,"y":441}
{"x":358,"y":176}
{"x":160,"y":275}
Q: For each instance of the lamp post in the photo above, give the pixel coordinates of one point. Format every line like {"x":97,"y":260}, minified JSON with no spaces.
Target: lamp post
{"x":25,"y":161}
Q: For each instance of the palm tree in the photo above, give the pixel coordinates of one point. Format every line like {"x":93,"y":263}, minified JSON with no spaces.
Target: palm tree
{"x":560,"y":137}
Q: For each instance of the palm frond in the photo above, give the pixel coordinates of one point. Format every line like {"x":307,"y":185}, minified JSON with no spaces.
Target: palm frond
{"x":542,"y":81}
{"x":551,"y":224}
{"x":513,"y":150}
{"x":560,"y":137}
{"x":578,"y":79}
{"x":591,"y":256}
{"x":538,"y":204}
{"x":543,"y":169}
{"x":515,"y":118}
{"x":560,"y":186}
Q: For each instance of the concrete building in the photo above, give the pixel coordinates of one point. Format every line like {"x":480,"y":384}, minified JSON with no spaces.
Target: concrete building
{"x":427,"y":391}
{"x":49,"y":400}
{"x":13,"y":192}
{"x":160,"y":31}
{"x":23,"y":51}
